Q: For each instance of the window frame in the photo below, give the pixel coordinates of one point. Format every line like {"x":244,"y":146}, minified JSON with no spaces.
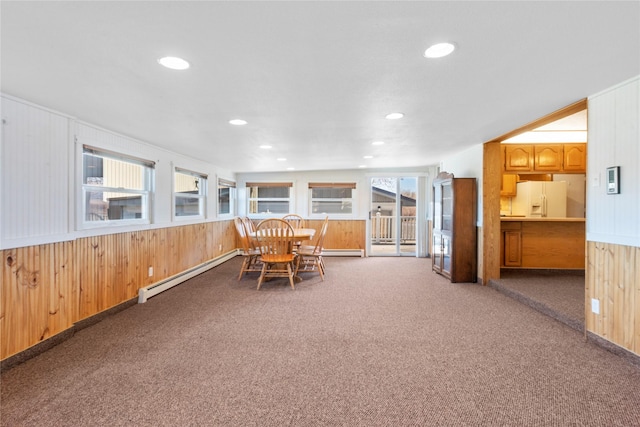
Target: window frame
{"x":146,"y":194}
{"x":231,"y":185}
{"x":201,"y":195}
{"x":353,"y":199}
{"x":257,"y":200}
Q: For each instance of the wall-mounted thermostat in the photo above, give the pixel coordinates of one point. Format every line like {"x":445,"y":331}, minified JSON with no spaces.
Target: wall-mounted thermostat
{"x":613,"y":180}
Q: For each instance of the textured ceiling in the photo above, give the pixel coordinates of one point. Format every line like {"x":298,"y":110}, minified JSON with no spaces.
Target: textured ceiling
{"x":315,"y":79}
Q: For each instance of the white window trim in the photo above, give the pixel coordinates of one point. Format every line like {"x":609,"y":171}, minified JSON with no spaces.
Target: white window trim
{"x":202,"y":196}
{"x":264,"y":215}
{"x":233,"y":196}
{"x":354,"y":205}
{"x":147,"y":195}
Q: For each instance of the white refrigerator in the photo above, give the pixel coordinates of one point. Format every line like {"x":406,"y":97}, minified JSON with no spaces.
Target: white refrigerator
{"x":540,"y":199}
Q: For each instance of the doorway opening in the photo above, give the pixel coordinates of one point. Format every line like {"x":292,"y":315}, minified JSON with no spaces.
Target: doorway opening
{"x":392,"y":213}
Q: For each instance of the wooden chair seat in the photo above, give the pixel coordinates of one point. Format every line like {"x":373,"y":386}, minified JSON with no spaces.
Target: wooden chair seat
{"x":277,"y":258}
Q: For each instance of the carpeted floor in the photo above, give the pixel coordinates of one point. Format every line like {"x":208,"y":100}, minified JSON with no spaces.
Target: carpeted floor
{"x":382,"y":342}
{"x":558,"y":294}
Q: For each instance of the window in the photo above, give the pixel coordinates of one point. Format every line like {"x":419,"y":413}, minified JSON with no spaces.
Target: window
{"x":331,"y":198}
{"x":115,"y":187}
{"x":226,"y":197}
{"x":189,"y":194}
{"x":269,"y":197}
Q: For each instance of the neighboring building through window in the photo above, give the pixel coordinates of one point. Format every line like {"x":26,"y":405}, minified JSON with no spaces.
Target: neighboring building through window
{"x":190,"y":193}
{"x":115,"y":187}
{"x":269,"y":197}
{"x":331,"y":198}
{"x":226,"y":197}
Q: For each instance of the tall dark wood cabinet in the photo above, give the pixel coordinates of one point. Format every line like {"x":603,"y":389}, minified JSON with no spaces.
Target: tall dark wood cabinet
{"x":454,"y":228}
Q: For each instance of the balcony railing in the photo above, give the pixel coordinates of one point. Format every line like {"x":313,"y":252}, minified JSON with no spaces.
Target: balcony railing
{"x":383,"y":229}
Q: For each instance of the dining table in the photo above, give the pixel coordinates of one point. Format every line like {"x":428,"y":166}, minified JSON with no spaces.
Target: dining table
{"x":299,"y":234}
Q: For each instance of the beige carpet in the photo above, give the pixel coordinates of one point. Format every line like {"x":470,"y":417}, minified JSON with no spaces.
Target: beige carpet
{"x":559,"y":294}
{"x":382,"y":342}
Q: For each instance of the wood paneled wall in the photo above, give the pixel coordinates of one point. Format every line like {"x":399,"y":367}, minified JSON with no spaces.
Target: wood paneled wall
{"x":343,"y":234}
{"x":40,"y":294}
{"x":47,"y":288}
{"x":613,"y":278}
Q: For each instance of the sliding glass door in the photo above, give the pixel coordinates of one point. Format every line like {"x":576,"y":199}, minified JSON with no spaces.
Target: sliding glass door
{"x":393,"y":216}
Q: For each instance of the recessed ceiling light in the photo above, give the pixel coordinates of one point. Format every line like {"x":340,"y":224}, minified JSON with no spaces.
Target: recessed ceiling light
{"x":266,"y":147}
{"x":394,"y":116}
{"x":362,"y":166}
{"x":174,"y":63}
{"x":367,"y":157}
{"x":281,"y":159}
{"x":238,"y":122}
{"x":439,"y":50}
{"x":291,"y":169}
{"x":377,"y":143}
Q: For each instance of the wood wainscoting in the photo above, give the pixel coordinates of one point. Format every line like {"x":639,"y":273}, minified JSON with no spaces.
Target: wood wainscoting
{"x":343,"y":234}
{"x":47,"y":288}
{"x":613,"y":278}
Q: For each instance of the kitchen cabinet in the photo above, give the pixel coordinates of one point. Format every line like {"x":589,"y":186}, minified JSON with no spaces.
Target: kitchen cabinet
{"x":454,"y":228}
{"x":547,"y":157}
{"x":575,"y":158}
{"x":518,"y":157}
{"x":544,"y":158}
{"x":543,"y":243}
{"x":508,"y":186}
{"x":512,"y":244}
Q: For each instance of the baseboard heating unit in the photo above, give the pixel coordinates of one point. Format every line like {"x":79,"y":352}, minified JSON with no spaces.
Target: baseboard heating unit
{"x":343,"y":252}
{"x":147,"y":292}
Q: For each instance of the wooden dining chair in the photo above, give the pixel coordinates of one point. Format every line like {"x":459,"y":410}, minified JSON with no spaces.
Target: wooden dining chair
{"x":296,"y":221}
{"x":310,"y":257}
{"x":250,"y":253}
{"x":275,"y":241}
{"x":250,"y":225}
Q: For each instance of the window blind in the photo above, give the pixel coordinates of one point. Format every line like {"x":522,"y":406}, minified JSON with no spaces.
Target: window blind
{"x":351,"y":185}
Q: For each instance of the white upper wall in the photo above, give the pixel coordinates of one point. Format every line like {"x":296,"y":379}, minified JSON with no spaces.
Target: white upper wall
{"x":614,"y":140}
{"x":41,"y":173}
{"x":468,"y":164}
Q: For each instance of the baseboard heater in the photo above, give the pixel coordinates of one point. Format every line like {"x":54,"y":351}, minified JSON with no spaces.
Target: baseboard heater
{"x":147,"y":292}
{"x":343,"y":252}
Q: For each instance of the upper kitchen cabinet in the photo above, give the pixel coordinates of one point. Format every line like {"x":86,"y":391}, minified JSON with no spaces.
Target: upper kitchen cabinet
{"x":508,"y":185}
{"x":547,"y":157}
{"x":518,"y":158}
{"x":575,"y":158}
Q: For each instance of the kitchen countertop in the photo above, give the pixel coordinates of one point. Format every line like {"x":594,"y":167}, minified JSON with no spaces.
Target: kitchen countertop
{"x":539,"y":219}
